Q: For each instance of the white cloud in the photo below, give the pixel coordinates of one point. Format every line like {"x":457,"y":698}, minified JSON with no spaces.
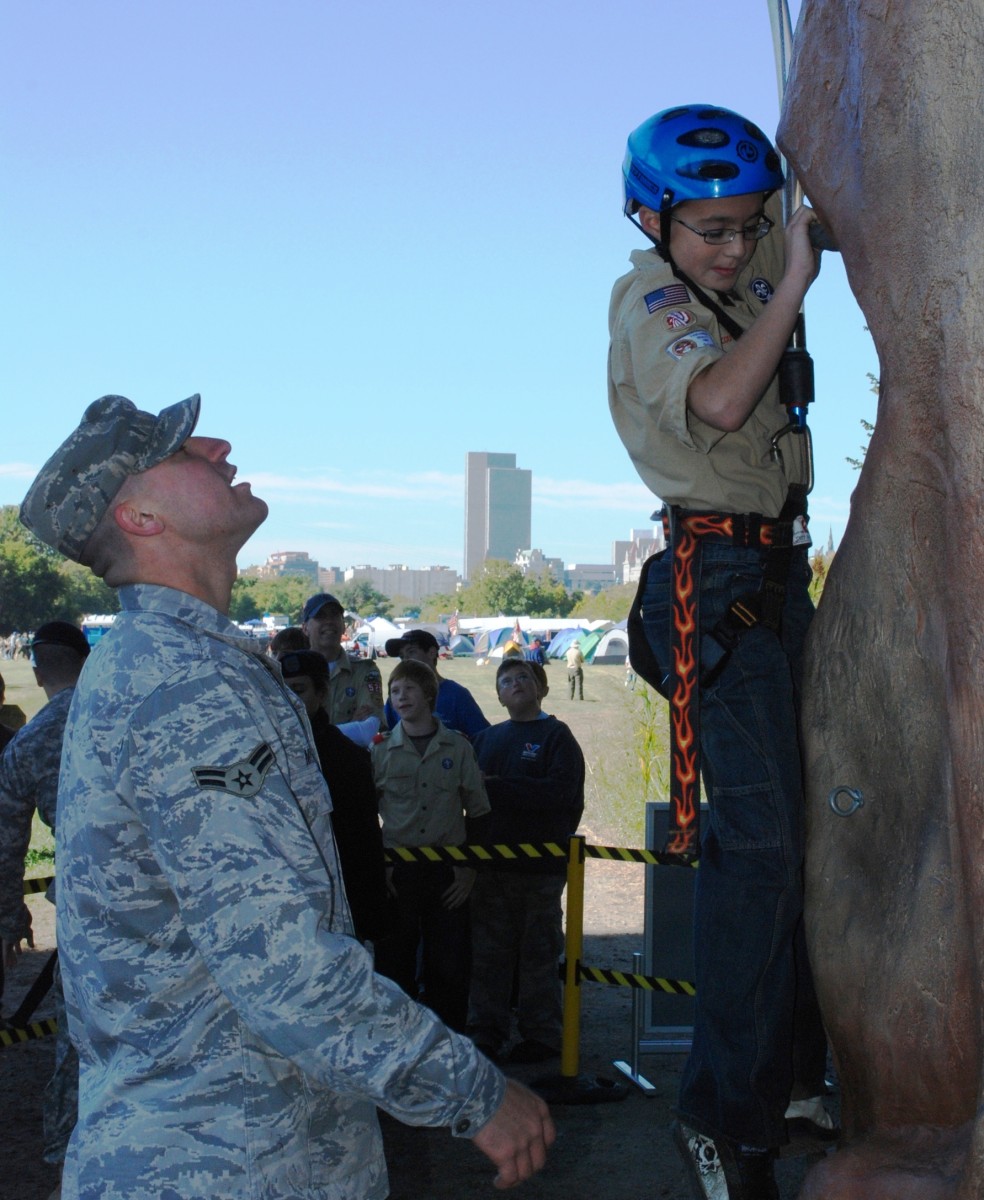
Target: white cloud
{"x":18,"y":470}
{"x":430,"y":485}
{"x":580,"y":493}
{"x":438,"y":486}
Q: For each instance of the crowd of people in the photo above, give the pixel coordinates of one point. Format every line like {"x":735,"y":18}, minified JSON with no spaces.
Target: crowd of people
{"x":15,"y":645}
{"x":439,"y":774}
{"x":252,"y":958}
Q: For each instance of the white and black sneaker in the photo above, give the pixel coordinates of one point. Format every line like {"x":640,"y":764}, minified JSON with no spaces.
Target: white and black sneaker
{"x":700,"y":1157}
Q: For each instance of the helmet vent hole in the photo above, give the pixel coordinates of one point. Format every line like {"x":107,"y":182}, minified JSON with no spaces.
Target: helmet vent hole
{"x":709,"y":171}
{"x":704,"y":139}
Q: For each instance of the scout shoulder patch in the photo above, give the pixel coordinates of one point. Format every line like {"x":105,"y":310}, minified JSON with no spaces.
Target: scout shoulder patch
{"x":244,"y":778}
{"x":679,"y":318}
{"x":688,"y":343}
{"x":667,"y":297}
{"x":761,"y":289}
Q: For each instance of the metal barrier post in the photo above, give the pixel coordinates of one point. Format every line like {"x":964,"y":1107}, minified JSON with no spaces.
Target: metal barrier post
{"x":570,"y":1086}
{"x":631,"y":1069}
{"x":573,"y":955}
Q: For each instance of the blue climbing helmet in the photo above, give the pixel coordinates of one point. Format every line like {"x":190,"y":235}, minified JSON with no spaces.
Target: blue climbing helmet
{"x":696,"y":152}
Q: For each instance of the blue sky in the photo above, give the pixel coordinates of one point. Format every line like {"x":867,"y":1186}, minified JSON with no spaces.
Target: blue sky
{"x":373,"y":237}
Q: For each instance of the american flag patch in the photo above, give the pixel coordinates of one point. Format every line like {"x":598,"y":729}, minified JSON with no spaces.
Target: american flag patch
{"x":664,"y":297}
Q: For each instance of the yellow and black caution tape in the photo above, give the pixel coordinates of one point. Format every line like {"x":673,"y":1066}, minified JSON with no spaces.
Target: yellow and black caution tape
{"x":485,"y":854}
{"x":650,"y":983}
{"x":33,"y":886}
{"x":9,"y":1036}
{"x":653,"y":858}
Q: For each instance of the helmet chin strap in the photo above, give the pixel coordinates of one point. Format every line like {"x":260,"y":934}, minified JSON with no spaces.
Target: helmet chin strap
{"x":662,"y":243}
{"x":661,"y":248}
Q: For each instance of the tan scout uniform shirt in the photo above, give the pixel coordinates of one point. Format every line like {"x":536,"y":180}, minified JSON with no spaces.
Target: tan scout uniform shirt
{"x":424,"y":798}
{"x":353,"y":682}
{"x":661,"y":338}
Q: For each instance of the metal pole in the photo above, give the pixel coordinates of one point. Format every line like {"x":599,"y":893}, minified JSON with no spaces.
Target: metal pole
{"x":782,"y":44}
{"x":573,"y":955}
{"x":631,"y":1068}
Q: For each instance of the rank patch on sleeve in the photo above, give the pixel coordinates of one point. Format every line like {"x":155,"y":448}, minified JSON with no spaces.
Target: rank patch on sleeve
{"x":243,"y":778}
{"x":666,"y":297}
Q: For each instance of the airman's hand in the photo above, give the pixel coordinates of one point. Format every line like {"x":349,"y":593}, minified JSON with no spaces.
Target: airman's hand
{"x":517,"y":1137}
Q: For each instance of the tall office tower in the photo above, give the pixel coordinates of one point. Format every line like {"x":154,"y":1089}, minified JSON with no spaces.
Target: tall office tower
{"x":498,"y":506}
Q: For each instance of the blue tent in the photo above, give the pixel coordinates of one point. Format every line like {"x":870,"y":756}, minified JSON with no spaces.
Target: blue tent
{"x":489,"y":639}
{"x":561,"y":641}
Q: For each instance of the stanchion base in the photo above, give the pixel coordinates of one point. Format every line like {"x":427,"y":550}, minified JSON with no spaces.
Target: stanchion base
{"x":579,"y":1089}
{"x":643,"y":1084}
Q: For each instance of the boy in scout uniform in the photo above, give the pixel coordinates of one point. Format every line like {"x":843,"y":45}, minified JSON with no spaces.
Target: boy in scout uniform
{"x":698,"y":327}
{"x":430,"y":793}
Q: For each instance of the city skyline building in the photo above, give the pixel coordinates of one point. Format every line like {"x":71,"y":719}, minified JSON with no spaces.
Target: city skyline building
{"x":498,"y":509}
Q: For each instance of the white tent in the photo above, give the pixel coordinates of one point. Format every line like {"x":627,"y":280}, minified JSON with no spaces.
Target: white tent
{"x":612,"y":648}
{"x":371,"y":636}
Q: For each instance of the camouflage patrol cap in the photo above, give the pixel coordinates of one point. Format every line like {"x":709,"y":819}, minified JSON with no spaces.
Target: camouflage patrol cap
{"x":76,"y":486}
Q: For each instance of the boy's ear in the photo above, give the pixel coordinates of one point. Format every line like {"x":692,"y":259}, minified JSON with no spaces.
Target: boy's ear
{"x":649,"y":220}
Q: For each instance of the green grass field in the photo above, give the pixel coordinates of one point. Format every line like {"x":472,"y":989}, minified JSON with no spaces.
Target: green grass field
{"x":622,"y":732}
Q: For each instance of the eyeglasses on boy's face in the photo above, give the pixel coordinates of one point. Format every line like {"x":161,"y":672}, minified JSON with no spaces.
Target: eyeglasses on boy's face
{"x":515,"y":679}
{"x":754,"y":231}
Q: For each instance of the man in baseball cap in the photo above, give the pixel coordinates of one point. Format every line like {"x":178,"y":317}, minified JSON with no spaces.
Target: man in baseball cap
{"x":355,"y":686}
{"x":234,"y":1031}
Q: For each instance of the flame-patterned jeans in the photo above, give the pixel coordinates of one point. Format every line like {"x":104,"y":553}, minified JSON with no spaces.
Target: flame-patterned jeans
{"x":756,"y":1021}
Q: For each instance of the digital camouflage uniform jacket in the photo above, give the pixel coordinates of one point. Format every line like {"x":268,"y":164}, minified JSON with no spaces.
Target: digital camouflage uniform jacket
{"x":28,"y":780}
{"x":233,"y":1037}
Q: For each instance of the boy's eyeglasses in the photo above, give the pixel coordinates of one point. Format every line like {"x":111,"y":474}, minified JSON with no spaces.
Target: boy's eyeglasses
{"x":754,"y":231}
{"x":516,"y":679}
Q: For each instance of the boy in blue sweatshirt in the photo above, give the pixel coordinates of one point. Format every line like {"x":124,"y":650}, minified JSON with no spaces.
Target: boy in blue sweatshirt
{"x":534,"y":776}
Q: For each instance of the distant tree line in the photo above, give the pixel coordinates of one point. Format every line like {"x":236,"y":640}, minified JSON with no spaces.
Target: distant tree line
{"x":501,"y":587}
{"x":253,"y":596}
{"x":37,"y":584}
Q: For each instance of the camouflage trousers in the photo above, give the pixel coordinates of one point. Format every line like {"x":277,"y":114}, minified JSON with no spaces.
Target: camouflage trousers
{"x":517,"y":935}
{"x":60,"y":1103}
